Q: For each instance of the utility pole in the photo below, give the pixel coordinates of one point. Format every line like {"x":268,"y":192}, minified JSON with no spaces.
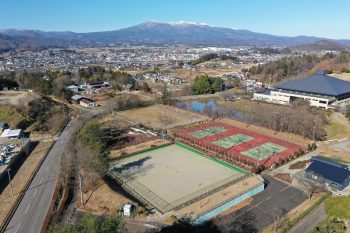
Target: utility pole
{"x":8,"y":173}
{"x":314,"y":131}
{"x":81,"y":189}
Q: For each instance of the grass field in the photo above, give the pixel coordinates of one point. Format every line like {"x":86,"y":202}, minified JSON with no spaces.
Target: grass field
{"x":233,"y":140}
{"x":208,"y":132}
{"x":264,"y":151}
{"x":9,"y":115}
{"x":170,"y":176}
{"x":338,"y":207}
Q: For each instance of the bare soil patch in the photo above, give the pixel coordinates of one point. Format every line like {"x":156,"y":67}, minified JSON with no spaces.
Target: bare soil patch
{"x":284,"y":177}
{"x":299,"y":165}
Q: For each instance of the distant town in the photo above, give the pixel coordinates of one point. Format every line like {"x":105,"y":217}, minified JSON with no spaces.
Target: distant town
{"x":168,"y":135}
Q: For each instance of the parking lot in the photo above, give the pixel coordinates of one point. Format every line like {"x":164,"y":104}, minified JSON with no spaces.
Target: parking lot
{"x":6,"y":154}
{"x":277,"y":198}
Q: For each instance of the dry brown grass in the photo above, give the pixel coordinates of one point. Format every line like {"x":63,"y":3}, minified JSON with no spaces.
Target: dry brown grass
{"x":103,"y":200}
{"x":21,"y":178}
{"x":137,"y":147}
{"x":161,"y":116}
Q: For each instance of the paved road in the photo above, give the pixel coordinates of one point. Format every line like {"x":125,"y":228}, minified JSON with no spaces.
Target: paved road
{"x":277,"y":199}
{"x":310,"y":221}
{"x":31,"y":212}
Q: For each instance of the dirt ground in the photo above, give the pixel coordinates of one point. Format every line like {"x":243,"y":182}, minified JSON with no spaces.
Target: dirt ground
{"x":138,"y":147}
{"x":21,"y":178}
{"x":294,"y":213}
{"x":161,"y":117}
{"x":14,"y":97}
{"x":343,"y":76}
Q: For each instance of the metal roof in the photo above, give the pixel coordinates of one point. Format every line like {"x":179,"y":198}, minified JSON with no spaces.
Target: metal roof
{"x":11,"y":133}
{"x":320,"y":84}
{"x":329,"y":171}
{"x":77,"y":97}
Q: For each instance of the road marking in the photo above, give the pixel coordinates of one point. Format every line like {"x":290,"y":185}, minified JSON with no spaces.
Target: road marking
{"x":35,"y":192}
{"x":17,"y":227}
{"x":27,"y":209}
{"x":42,"y":178}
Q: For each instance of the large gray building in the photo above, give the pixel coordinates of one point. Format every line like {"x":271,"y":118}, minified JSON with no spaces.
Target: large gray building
{"x":320,"y":90}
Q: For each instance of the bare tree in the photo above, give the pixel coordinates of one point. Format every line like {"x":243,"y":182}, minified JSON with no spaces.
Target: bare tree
{"x":278,"y":217}
{"x":311,"y":187}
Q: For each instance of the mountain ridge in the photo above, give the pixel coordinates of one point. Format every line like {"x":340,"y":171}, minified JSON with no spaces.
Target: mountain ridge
{"x":152,"y":33}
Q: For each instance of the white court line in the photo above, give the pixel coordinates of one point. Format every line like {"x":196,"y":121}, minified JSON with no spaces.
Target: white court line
{"x":35,"y":192}
{"x":18,"y":227}
{"x":27,"y":209}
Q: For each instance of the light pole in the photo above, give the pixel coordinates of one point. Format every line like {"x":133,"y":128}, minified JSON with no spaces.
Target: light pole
{"x":8,"y":173}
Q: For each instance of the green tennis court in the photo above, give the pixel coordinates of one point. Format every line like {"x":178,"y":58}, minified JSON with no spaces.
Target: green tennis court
{"x":207,"y":132}
{"x":233,"y":140}
{"x":264,"y":151}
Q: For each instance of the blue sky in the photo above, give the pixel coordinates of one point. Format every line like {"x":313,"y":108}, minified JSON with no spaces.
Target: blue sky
{"x":326,"y":18}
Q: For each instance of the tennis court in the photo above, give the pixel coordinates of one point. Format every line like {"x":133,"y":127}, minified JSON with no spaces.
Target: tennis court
{"x":264,"y":151}
{"x":208,"y":132}
{"x":173,"y":176}
{"x":233,"y":140}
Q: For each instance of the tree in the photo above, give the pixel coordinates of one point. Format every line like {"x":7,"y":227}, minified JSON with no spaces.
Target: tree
{"x":202,"y":85}
{"x":311,"y":187}
{"x":347,"y":111}
{"x":166,"y":97}
{"x":59,"y":87}
{"x":278,"y":217}
{"x":145,"y":87}
{"x":91,"y":224}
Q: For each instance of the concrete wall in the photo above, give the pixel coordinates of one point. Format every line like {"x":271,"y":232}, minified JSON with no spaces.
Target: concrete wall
{"x":229,"y":204}
{"x":284,"y":98}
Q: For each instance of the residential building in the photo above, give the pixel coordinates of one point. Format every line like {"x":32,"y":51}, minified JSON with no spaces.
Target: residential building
{"x":88,"y":103}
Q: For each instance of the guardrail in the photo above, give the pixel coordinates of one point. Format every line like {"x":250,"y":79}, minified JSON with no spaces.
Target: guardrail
{"x":22,"y":193}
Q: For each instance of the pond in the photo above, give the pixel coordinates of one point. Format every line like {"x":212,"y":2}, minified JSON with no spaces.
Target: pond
{"x":213,"y":109}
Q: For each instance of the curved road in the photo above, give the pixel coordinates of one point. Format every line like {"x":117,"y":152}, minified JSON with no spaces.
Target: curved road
{"x":31,"y":212}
